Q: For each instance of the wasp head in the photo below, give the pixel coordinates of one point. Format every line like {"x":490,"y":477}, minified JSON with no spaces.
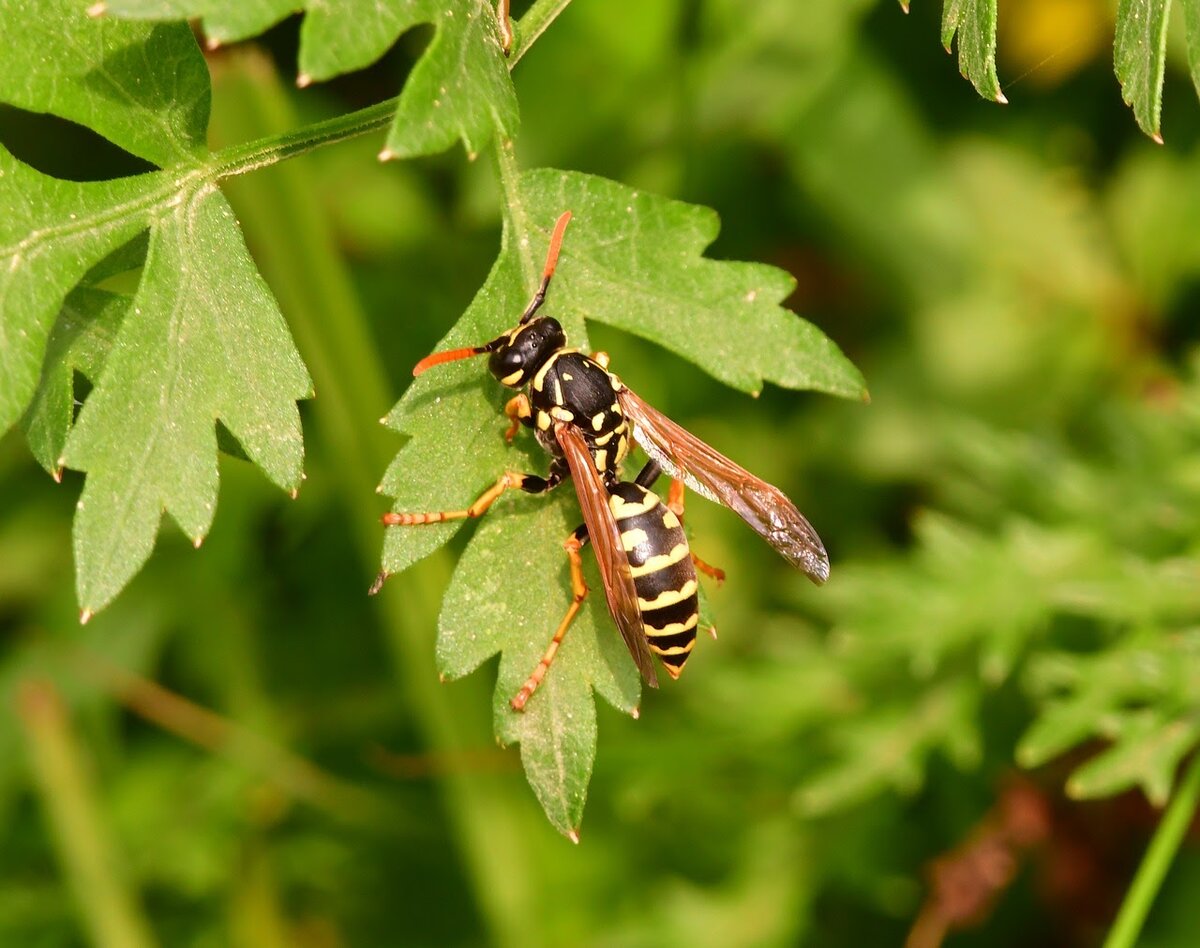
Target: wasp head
{"x":524,"y":349}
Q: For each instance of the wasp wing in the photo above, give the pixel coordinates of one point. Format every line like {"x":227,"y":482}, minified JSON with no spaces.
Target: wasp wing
{"x":708,"y":472}
{"x":619,"y":589}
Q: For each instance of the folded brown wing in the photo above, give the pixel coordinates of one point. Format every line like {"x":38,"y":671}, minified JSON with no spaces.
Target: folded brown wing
{"x":619,"y":589}
{"x":708,"y":472}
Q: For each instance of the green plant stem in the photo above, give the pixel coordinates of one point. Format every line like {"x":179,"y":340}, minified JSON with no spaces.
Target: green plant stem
{"x":111,"y":914}
{"x":533,"y":24}
{"x":1157,"y":861}
{"x":514,"y":210}
{"x":271,"y":149}
{"x":491,"y":815}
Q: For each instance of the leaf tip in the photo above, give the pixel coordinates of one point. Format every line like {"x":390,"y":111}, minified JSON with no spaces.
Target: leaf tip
{"x":1001,"y":98}
{"x":57,"y":474}
{"x":383,"y":419}
{"x":197,"y":541}
{"x":212,"y":43}
{"x":379,"y":581}
{"x":573,"y":836}
{"x":712,"y":630}
{"x":97,"y":9}
{"x":85,"y":616}
{"x":387,"y":155}
{"x":1075,"y":789}
{"x":303,"y":80}
{"x":294,"y":493}
{"x":635,"y":712}
{"x":904,"y":6}
{"x":1156,"y":137}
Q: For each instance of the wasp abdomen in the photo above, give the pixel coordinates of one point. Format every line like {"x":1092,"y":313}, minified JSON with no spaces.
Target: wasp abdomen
{"x":663,"y":572}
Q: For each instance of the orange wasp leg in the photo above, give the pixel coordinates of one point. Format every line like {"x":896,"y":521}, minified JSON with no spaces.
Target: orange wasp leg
{"x":509,"y":480}
{"x":517,"y":408}
{"x":676,"y":506}
{"x":579,"y":590}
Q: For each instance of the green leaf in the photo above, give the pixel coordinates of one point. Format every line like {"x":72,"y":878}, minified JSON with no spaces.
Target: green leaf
{"x":890,"y":749}
{"x":459,"y":89}
{"x":510,"y":589}
{"x":79,"y":342}
{"x":975,"y":23}
{"x":632,"y":260}
{"x":201,"y":342}
{"x":141,"y":86}
{"x":1139,"y":51}
{"x":1191,"y":24}
{"x":1147,"y":755}
{"x":1139,"y":694}
{"x":51,"y":233}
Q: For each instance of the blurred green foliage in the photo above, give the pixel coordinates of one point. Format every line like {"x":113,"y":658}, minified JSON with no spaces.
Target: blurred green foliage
{"x":245,"y":750}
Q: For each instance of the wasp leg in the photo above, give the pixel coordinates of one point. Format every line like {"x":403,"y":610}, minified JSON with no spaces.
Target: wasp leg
{"x":675,"y":505}
{"x":579,"y":590}
{"x":506,"y":30}
{"x":510,"y":480}
{"x":519,"y":412}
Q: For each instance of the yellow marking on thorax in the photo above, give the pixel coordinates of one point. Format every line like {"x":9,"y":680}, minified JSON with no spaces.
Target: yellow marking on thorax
{"x":655,"y":563}
{"x":558,"y":399}
{"x":598,"y":420}
{"x":539,"y":380}
{"x":601,"y":459}
{"x":623,"y":509}
{"x":670,"y":597}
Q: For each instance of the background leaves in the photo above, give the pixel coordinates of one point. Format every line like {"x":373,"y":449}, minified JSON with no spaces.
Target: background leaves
{"x":1017,"y":285}
{"x":201,"y":341}
{"x":458,"y":90}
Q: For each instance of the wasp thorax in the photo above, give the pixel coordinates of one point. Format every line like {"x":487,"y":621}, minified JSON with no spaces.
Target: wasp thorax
{"x":525,"y":351}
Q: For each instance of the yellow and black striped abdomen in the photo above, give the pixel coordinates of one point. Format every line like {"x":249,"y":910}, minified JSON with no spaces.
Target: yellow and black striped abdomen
{"x":663,"y":572}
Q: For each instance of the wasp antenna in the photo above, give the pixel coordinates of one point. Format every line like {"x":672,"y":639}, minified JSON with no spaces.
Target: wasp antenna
{"x":449,"y":355}
{"x":556,"y":239}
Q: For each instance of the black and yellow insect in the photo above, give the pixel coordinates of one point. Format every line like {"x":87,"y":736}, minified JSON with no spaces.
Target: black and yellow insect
{"x":586,"y":418}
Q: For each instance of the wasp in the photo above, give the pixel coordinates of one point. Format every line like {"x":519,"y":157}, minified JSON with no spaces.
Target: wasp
{"x":587,"y":419}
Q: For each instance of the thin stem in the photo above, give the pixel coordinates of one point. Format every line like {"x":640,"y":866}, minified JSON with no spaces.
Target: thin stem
{"x":291,"y":773}
{"x":108,"y":906}
{"x":239,"y":159}
{"x":519,"y":227}
{"x":1157,"y":861}
{"x":533,"y":24}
